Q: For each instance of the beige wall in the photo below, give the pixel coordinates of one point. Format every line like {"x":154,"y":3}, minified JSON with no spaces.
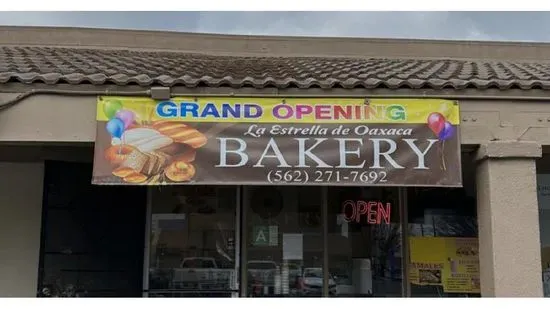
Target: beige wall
{"x":55,"y":118}
{"x":508,"y":218}
{"x":20,"y":221}
{"x":61,"y":119}
{"x":49,"y":119}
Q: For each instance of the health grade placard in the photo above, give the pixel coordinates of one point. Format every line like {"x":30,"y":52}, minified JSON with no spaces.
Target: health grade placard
{"x":300,"y":141}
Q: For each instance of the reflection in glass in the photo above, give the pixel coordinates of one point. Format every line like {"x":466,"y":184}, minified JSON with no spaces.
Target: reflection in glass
{"x":364,"y":242}
{"x":285,"y":243}
{"x":192,"y":241}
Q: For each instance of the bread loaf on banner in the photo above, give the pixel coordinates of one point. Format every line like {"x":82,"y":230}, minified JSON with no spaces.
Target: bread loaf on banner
{"x":181,"y":133}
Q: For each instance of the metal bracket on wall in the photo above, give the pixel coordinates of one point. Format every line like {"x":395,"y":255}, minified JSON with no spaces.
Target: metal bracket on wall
{"x":160,"y":93}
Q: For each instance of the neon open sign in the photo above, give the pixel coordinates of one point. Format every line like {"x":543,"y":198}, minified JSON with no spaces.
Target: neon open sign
{"x":374,"y":212}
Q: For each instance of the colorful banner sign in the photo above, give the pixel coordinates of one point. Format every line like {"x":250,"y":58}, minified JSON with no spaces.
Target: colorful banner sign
{"x":452,"y":263}
{"x":299,"y":141}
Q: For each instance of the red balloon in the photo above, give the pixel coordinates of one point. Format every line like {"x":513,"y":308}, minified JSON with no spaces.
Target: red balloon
{"x":436,"y":122}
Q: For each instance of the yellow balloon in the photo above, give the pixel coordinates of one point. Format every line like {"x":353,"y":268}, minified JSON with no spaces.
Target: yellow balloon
{"x":445,"y":110}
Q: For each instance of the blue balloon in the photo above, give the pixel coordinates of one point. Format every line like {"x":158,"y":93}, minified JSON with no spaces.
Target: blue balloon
{"x":447,"y":132}
{"x":115,"y":127}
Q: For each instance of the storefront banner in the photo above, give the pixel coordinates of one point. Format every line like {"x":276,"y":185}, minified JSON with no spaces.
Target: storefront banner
{"x":449,"y":262}
{"x":297,"y":141}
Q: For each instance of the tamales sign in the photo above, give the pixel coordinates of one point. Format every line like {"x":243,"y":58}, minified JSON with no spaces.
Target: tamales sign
{"x":291,"y":141}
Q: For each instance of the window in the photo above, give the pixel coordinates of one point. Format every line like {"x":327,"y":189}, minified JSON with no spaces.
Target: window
{"x":92,"y":236}
{"x":192,"y":248}
{"x":443,"y":248}
{"x":292,"y":241}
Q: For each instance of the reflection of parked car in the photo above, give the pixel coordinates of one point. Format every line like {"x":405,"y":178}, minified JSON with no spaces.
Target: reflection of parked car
{"x":198,"y":262}
{"x":261,"y":276}
{"x":311,"y":282}
{"x":262,"y":269}
{"x":343,"y":284}
{"x":294,"y":275}
{"x":201,"y":273}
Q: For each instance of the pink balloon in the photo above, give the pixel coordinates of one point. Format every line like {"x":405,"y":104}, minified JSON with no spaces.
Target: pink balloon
{"x":436,"y":122}
{"x":126,"y":116}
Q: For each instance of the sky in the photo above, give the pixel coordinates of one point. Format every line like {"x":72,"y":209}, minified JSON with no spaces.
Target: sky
{"x":500,"y":26}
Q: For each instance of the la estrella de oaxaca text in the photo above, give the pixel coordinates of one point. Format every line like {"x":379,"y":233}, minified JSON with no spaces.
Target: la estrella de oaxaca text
{"x":308,"y":141}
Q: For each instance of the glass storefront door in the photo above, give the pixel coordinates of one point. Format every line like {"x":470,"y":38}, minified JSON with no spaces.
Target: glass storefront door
{"x":284,"y":241}
{"x":193,"y":251}
{"x":364,"y":242}
{"x":322,"y":241}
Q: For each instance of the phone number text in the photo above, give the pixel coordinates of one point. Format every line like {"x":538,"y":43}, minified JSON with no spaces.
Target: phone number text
{"x":305,"y":176}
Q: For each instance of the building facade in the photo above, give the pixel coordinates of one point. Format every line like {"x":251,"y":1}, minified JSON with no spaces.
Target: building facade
{"x":63,"y":235}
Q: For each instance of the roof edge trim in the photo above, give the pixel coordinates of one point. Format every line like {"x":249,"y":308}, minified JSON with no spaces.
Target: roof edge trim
{"x":271,"y":45}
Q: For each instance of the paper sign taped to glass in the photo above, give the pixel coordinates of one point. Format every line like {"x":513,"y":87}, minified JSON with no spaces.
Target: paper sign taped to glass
{"x":450,"y":262}
{"x":291,"y":141}
{"x":293,"y":247}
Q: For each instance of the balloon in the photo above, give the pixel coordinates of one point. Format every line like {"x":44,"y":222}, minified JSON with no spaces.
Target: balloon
{"x":444,"y":109}
{"x":110,"y":108}
{"x":447,"y":132}
{"x":126,"y":116}
{"x":436,"y":122}
{"x":115,"y":127}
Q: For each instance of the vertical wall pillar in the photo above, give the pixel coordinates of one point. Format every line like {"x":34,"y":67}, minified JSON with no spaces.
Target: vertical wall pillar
{"x":21,"y":187}
{"x":509,"y":242}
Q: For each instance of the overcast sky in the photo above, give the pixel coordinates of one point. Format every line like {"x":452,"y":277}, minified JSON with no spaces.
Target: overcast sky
{"x":514,"y":26}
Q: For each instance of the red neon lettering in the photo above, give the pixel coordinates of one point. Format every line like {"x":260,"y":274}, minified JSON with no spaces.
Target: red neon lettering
{"x":349,"y":205}
{"x":371,"y":217}
{"x":384,"y":213}
{"x":375,"y":211}
{"x":362,"y":208}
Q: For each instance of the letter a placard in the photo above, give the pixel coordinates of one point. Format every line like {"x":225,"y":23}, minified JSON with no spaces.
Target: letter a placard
{"x":264,"y":236}
{"x":260,"y":236}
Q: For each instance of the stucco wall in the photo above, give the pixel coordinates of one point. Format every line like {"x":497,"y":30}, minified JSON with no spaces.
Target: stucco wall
{"x":62,"y":119}
{"x":20,"y":221}
{"x":508,"y":225}
{"x":56,"y":118}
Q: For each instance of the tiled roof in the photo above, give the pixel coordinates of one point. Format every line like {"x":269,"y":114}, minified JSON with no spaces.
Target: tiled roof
{"x":54,"y":65}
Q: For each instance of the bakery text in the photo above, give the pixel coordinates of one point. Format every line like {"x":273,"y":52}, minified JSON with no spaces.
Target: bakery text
{"x":309,"y":153}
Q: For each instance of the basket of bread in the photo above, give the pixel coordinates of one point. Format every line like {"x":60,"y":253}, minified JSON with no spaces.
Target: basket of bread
{"x":160,"y":152}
